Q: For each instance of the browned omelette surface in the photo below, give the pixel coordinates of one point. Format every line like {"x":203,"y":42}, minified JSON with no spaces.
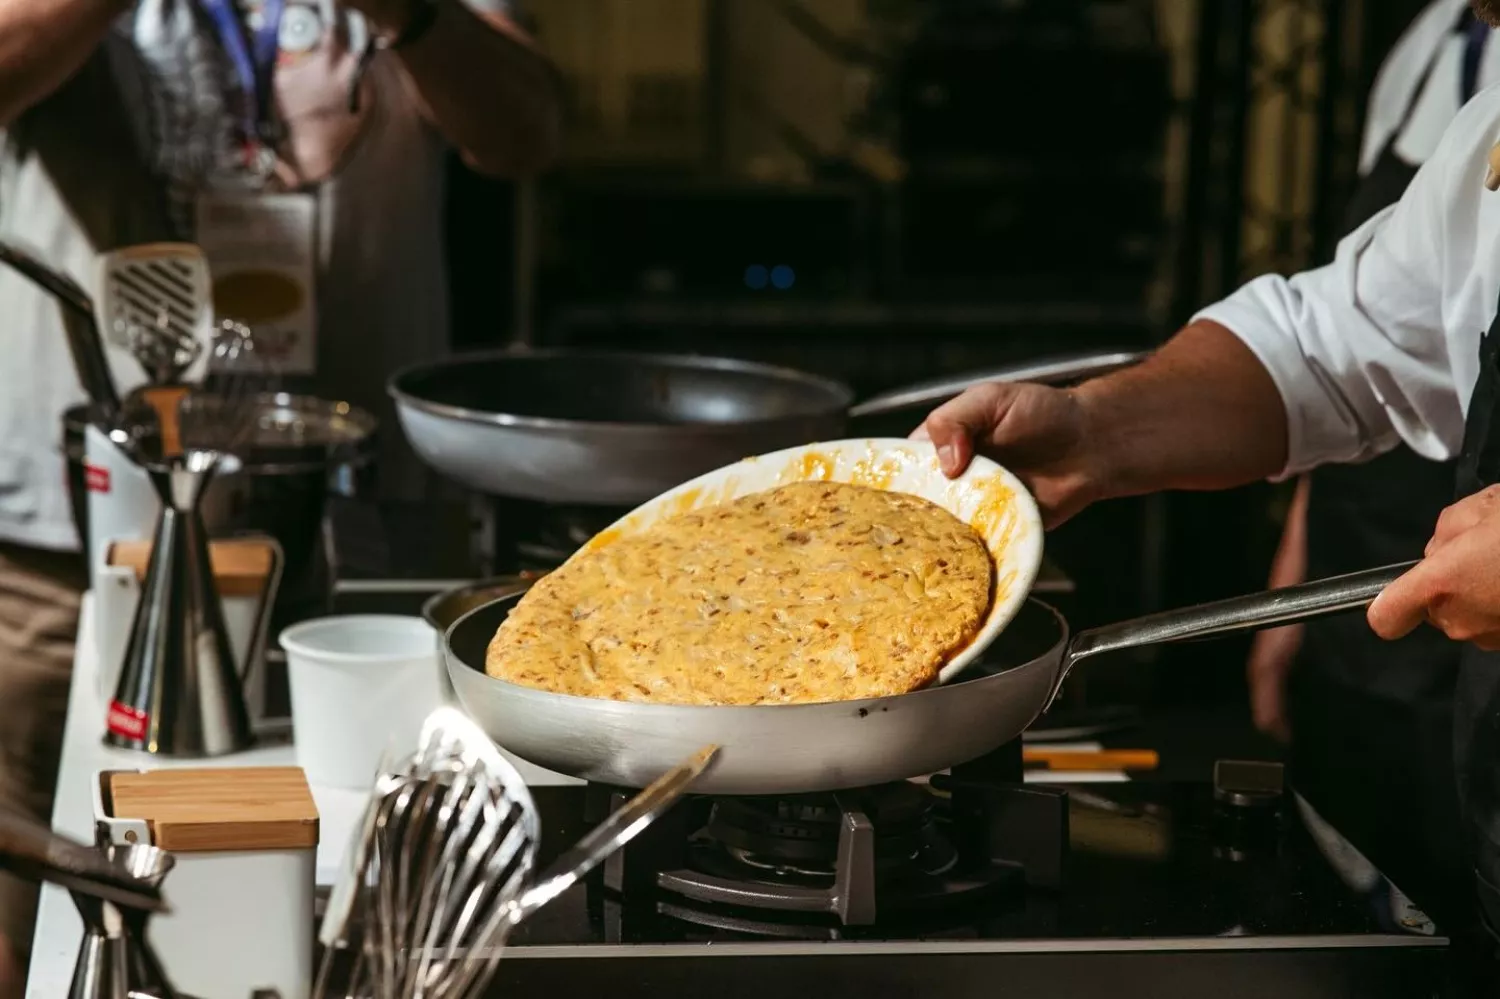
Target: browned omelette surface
{"x":815,"y":591}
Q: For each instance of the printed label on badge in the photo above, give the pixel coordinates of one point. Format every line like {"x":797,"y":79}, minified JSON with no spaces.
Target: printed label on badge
{"x":96,"y":478}
{"x":262,"y":253}
{"x":125,"y":721}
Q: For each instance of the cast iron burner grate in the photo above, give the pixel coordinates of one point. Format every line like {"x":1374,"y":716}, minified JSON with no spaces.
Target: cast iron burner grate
{"x":887,"y":852}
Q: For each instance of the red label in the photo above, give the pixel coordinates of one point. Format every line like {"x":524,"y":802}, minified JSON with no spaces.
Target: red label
{"x":96,"y":478}
{"x":125,"y":721}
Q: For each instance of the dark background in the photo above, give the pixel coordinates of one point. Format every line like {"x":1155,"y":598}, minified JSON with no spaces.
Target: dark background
{"x":1067,"y":174}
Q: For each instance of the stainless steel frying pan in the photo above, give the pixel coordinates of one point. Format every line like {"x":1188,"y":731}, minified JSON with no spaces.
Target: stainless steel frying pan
{"x":602,"y":427}
{"x":786,"y":749}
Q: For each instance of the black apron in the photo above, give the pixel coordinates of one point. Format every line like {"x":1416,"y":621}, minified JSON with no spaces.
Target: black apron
{"x":1372,"y":721}
{"x":1476,"y":716}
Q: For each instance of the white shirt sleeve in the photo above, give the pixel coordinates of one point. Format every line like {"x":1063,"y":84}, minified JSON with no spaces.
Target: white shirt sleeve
{"x":1381,"y":345}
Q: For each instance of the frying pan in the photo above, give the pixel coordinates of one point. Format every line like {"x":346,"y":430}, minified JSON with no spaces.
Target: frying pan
{"x":1015,"y":666}
{"x":617,"y":428}
{"x":796,"y":748}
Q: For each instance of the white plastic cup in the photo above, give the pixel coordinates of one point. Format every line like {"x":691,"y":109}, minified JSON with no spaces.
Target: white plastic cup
{"x":361,"y":684}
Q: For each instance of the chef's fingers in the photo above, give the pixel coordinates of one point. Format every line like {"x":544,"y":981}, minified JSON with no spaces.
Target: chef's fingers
{"x":955,"y":425}
{"x":920,"y":434}
{"x":1403,"y":605}
{"x":1464,"y":515}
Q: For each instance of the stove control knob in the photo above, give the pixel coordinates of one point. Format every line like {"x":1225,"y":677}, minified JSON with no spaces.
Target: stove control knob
{"x":1249,"y":784}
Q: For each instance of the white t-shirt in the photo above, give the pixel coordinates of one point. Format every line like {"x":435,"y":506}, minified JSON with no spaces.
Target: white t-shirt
{"x":65,"y":193}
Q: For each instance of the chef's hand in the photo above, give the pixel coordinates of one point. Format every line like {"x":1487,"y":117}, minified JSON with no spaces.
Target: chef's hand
{"x":1040,"y":432}
{"x":1456,"y":586}
{"x":1201,"y":412}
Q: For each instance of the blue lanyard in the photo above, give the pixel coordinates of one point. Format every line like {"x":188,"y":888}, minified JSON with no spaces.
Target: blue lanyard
{"x":1476,"y":35}
{"x":253,"y":59}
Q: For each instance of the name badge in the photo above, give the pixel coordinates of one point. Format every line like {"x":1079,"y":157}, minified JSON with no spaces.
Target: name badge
{"x":261,"y":249}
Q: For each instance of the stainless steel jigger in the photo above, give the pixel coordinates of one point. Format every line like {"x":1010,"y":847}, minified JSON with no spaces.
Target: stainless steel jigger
{"x":180,"y":692}
{"x":115,"y":959}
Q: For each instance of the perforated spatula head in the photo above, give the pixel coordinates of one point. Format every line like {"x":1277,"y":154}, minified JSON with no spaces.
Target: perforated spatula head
{"x":155,"y":300}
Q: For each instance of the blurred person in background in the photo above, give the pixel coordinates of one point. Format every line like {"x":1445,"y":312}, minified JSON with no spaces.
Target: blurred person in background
{"x":1370,"y":722}
{"x":306,"y":136}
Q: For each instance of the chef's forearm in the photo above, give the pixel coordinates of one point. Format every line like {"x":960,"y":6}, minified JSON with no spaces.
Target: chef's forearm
{"x":1200,"y":413}
{"x":490,"y":93}
{"x":43,"y":42}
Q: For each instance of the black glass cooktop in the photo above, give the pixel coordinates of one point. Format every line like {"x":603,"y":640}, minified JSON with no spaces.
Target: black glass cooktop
{"x":1166,"y":893}
{"x":1146,"y":861}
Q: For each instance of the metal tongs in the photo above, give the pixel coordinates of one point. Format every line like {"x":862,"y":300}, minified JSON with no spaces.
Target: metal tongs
{"x":440,"y":872}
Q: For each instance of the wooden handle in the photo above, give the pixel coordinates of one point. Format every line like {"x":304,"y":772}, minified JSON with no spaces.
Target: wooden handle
{"x":241,"y":566}
{"x":1104,"y":759}
{"x":165,"y":399}
{"x":1492,"y":179}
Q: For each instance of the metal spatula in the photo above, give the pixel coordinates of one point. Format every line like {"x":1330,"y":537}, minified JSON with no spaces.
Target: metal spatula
{"x":155,"y":301}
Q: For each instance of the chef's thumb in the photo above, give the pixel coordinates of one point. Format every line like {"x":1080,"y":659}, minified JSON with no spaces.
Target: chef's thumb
{"x":1401,"y":606}
{"x":955,"y":425}
{"x":954,"y":443}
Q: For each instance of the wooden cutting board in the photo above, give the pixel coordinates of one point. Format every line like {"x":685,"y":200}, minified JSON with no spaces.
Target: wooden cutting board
{"x":240,"y":565}
{"x":220,"y":808}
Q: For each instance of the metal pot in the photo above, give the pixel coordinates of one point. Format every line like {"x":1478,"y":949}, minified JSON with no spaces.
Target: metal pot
{"x":302,"y":450}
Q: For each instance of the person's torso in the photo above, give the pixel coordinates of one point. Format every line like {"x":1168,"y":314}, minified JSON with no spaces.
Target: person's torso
{"x":118,"y":157}
{"x":1383,"y":511}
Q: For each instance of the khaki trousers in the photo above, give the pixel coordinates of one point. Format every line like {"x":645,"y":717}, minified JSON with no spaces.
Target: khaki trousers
{"x":40,"y":593}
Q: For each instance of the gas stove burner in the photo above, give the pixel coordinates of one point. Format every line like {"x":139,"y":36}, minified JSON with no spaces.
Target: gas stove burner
{"x":853,"y":856}
{"x":798,"y":837}
{"x":904,"y":852}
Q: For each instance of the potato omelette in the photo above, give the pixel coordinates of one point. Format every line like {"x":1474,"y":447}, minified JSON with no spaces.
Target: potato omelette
{"x":809,"y":592}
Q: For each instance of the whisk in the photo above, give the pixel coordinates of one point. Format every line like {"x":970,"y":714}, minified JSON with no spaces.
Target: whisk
{"x":442,"y":870}
{"x":223,"y":415}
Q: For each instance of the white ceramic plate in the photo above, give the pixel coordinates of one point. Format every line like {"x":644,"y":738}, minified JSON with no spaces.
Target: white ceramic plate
{"x":986,"y":496}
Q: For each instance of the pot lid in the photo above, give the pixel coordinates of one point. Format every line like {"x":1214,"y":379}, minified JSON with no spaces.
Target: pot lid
{"x":273,"y":429}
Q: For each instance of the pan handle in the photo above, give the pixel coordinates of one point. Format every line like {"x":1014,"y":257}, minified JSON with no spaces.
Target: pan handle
{"x":1047,"y":371}
{"x":79,"y":325}
{"x":1252,"y":612}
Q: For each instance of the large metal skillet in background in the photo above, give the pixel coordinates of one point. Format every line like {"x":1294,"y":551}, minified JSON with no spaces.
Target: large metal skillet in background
{"x":617,"y":428}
